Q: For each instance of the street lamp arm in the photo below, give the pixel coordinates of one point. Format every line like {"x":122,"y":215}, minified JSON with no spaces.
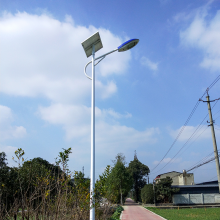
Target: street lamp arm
{"x":106,"y":54}
{"x":99,"y":61}
{"x":85,"y":70}
{"x":98,"y":58}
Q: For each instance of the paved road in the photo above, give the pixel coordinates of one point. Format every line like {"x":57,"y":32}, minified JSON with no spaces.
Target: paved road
{"x":133,"y":211}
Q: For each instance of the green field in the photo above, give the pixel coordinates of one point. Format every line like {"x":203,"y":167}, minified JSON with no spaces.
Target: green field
{"x":188,"y":214}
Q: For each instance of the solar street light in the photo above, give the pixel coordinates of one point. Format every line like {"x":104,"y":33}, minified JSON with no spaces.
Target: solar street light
{"x":91,"y":46}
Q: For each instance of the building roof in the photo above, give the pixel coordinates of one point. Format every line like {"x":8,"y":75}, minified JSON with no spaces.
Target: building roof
{"x":196,"y":189}
{"x":168,"y":172}
{"x":158,"y":176}
{"x":215,"y":182}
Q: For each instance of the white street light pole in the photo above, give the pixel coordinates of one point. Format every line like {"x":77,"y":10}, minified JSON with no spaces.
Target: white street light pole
{"x":92,"y":171}
{"x":91,"y":45}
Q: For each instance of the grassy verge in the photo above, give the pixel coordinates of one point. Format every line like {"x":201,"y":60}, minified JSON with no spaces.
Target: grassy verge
{"x":188,"y":214}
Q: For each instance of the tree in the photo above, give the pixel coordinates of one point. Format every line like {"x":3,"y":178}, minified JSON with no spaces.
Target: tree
{"x":138,"y":171}
{"x":119,"y":181}
{"x":3,"y":159}
{"x":37,"y":189}
{"x":163,"y":190}
{"x":100,"y":186}
{"x":147,"y":194}
{"x":8,"y":185}
{"x":4,"y":169}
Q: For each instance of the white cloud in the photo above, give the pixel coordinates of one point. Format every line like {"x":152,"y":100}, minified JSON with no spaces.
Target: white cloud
{"x":9,"y":150}
{"x":41,"y":56}
{"x":109,"y":133}
{"x":188,"y":131}
{"x":7,"y":130}
{"x":105,"y":91}
{"x":204,"y":33}
{"x":182,"y":16}
{"x":117,"y":115}
{"x":149,"y":64}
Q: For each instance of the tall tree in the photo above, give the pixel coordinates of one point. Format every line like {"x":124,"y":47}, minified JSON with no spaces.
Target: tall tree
{"x":139,"y":172}
{"x":119,"y":181}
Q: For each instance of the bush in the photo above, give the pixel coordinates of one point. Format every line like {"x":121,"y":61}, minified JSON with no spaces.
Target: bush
{"x":164,"y":191}
{"x":147,"y":194}
{"x":117,"y":213}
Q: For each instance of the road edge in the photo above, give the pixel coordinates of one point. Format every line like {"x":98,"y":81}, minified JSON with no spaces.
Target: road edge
{"x":154,"y":213}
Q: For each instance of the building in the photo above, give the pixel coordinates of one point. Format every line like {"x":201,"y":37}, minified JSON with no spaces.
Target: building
{"x":203,"y":193}
{"x":178,"y":178}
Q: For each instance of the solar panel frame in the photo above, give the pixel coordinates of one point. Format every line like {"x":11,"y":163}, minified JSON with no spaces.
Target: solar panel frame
{"x":95,"y":39}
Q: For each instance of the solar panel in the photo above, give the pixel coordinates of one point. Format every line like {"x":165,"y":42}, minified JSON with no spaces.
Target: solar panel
{"x":93,"y":40}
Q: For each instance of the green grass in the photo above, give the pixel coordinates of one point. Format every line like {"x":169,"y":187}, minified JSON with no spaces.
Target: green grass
{"x":188,"y":214}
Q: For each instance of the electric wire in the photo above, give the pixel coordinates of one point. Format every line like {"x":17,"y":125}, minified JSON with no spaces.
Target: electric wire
{"x":214,"y":82}
{"x":180,"y":132}
{"x":199,"y":165}
{"x":183,"y":127}
{"x":187,"y":140}
{"x":201,"y":161}
{"x":183,"y":145}
{"x":195,"y":139}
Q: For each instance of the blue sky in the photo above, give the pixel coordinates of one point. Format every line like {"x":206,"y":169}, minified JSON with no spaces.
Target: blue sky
{"x":143,"y":96}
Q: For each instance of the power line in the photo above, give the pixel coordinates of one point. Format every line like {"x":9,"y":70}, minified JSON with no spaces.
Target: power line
{"x":183,"y":127}
{"x":184,"y":144}
{"x":214,"y":82}
{"x":199,"y":165}
{"x":195,"y":140}
{"x":187,"y":140}
{"x":201,"y":161}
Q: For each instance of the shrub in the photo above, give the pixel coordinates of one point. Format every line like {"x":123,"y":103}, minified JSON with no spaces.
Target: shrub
{"x":147,"y":194}
{"x":117,"y":213}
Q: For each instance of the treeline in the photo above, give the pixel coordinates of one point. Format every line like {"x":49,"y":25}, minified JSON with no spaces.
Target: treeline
{"x":120,"y":181}
{"x":36,"y":189}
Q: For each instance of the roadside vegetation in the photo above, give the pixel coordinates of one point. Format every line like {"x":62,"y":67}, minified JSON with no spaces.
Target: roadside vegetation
{"x":162,"y":192}
{"x":117,"y":213}
{"x":188,"y":214}
{"x":36,"y":189}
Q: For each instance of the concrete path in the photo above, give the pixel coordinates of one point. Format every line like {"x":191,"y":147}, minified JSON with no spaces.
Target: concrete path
{"x":133,"y":211}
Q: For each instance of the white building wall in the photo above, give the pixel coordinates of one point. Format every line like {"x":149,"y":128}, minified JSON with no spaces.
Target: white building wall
{"x":178,"y":178}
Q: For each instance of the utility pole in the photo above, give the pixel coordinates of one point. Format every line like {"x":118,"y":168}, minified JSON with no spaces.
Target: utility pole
{"x":213,"y":136}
